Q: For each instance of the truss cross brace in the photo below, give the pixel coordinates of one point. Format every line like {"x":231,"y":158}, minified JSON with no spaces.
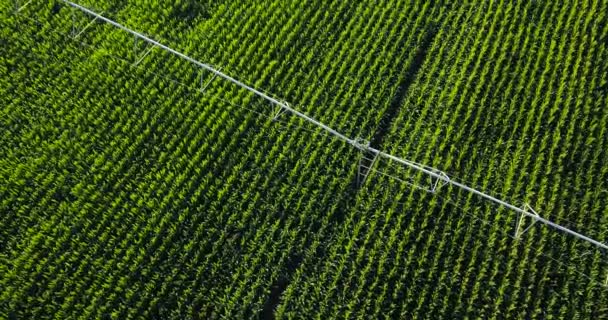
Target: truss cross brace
{"x":83,"y":29}
{"x":278,"y":111}
{"x":520,"y":219}
{"x":143,"y":55}
{"x":365,"y":167}
{"x":75,"y":33}
{"x":437,"y":183}
{"x":203,"y":87}
{"x":19,"y":7}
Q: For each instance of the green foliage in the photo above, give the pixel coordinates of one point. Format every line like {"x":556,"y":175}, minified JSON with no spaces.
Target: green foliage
{"x":128,"y":193}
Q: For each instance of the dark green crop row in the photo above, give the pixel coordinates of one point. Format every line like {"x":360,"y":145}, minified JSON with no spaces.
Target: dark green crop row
{"x":128,"y":193}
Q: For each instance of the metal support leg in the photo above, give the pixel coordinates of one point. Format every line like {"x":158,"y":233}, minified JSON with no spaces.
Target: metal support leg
{"x":520,"y":218}
{"x":203,"y":87}
{"x":370,"y":167}
{"x":85,"y":28}
{"x":363,"y":170}
{"x":142,"y":56}
{"x":277,"y":113}
{"x":279,"y":110}
{"x":437,"y":183}
{"x":19,"y":7}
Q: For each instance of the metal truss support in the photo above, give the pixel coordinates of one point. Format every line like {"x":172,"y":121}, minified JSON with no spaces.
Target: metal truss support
{"x":437,"y":178}
{"x":84,"y":29}
{"x":365,"y":167}
{"x":75,"y":33}
{"x":366,"y":162}
{"x":203,"y":87}
{"x":437,"y":183}
{"x":140,"y":57}
{"x":278,"y":111}
{"x":19,"y":6}
{"x":520,"y":219}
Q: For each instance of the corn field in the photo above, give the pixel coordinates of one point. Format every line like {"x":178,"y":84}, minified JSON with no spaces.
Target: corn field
{"x":134,"y":184}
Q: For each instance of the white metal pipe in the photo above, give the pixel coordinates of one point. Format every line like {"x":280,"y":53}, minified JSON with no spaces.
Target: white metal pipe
{"x":491,"y":198}
{"x":213,"y":70}
{"x":441,"y":176}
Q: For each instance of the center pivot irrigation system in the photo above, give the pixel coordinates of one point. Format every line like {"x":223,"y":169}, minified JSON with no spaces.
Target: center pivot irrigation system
{"x":439,"y":178}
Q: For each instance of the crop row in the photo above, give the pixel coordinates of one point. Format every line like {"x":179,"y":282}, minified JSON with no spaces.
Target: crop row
{"x":479,"y":88}
{"x":131,"y":195}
